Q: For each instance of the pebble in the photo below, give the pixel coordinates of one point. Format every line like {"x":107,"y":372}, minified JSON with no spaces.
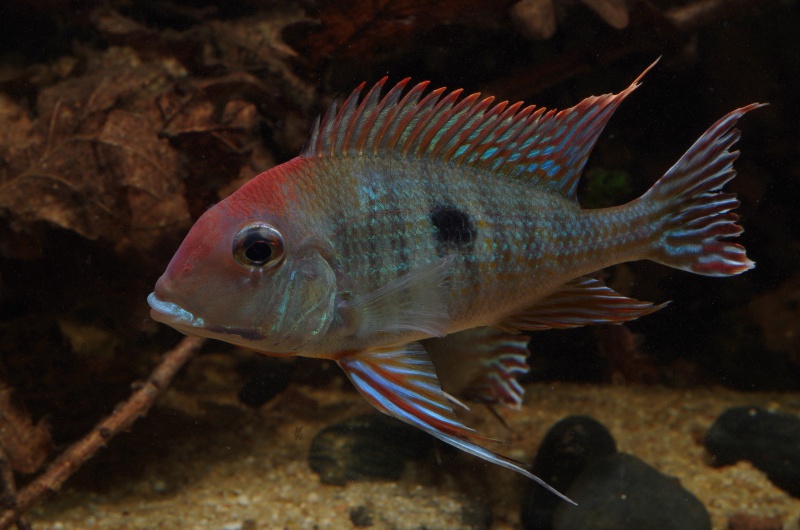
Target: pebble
{"x":621,"y":491}
{"x":566,"y":449}
{"x":158,"y":485}
{"x":769,"y":440}
{"x":366,"y":446}
{"x":243,"y":500}
{"x":362,"y":516}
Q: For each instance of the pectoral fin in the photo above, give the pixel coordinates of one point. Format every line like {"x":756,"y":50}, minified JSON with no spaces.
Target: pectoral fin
{"x":416,"y":301}
{"x":580,"y":302}
{"x":401,"y":382}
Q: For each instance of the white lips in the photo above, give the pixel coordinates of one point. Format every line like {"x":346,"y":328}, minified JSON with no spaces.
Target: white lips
{"x":172,"y":314}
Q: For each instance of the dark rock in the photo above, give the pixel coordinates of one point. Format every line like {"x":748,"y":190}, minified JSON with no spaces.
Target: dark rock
{"x":565,"y":451}
{"x":769,"y":440}
{"x":361,"y":516}
{"x":621,"y":491}
{"x":372,"y":445}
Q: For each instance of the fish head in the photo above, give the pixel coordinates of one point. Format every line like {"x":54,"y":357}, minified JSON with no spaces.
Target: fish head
{"x":250,"y":277}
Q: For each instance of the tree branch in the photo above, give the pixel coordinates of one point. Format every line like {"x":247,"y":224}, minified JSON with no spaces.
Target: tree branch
{"x":121,"y":419}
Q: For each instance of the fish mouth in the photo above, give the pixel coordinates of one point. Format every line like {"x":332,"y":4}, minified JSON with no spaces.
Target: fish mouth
{"x":172,"y":314}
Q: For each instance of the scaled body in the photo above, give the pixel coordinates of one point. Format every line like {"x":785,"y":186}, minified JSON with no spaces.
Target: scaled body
{"x":414,"y":217}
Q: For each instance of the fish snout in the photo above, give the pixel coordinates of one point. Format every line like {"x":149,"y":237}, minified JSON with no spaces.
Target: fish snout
{"x":167,"y":312}
{"x":162,"y":289}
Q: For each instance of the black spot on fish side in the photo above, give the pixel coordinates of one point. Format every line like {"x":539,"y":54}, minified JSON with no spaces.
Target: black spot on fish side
{"x":454,"y":227}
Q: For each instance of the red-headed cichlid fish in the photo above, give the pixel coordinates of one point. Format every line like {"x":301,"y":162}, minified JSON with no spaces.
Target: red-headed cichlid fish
{"x":418,"y":234}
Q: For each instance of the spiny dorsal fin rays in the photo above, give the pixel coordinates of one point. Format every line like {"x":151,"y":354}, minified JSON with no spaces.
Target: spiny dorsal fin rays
{"x":398,"y":118}
{"x":547,"y":149}
{"x":441,"y":115}
{"x":325,"y":135}
{"x":473,"y":128}
{"x":369,"y":100}
{"x":415,"y":120}
{"x":505,"y":129}
{"x":375,"y":108}
{"x":460,"y":121}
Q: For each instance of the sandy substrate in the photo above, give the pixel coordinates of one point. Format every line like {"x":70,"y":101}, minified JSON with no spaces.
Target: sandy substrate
{"x":208,"y":463}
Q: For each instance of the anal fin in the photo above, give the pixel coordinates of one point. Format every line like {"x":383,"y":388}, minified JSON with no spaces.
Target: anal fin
{"x":580,"y":302}
{"x":482,"y":365}
{"x":401,"y":382}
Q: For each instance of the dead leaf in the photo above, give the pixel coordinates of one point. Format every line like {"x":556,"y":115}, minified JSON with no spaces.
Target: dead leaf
{"x":93,"y":161}
{"x":536,"y":19}
{"x":360,"y":28}
{"x":25,"y":444}
{"x":220,"y":119}
{"x":145,"y":167}
{"x":243,"y":59}
{"x":614,"y":12}
{"x":219,"y":46}
{"x":622,"y":349}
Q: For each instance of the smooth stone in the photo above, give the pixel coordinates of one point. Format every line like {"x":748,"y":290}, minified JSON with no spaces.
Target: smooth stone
{"x":367,"y":446}
{"x":567,"y":448}
{"x":769,"y":440}
{"x":621,"y":491}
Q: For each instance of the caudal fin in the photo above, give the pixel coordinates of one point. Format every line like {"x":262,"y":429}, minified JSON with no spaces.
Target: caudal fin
{"x":694,"y":214}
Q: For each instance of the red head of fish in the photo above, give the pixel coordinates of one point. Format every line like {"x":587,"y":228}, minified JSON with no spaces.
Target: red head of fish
{"x":250,"y":273}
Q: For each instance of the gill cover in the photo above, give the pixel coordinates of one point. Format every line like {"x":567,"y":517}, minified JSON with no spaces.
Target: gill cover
{"x":303,"y":307}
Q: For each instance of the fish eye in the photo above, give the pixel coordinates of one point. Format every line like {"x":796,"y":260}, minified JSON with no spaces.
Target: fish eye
{"x":258,"y":246}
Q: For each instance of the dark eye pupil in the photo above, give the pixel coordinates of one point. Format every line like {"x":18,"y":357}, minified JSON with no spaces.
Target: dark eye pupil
{"x":258,"y":252}
{"x":258,"y":246}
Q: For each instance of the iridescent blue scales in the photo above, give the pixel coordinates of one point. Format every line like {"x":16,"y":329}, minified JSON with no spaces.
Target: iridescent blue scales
{"x":420,"y":237}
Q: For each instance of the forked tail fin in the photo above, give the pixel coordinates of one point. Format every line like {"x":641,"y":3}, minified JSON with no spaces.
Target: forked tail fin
{"x":693,"y":213}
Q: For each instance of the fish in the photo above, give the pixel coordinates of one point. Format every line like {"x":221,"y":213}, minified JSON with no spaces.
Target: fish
{"x":420,"y":237}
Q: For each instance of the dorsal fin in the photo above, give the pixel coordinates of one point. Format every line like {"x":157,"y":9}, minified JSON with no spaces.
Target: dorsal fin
{"x":547,"y":149}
